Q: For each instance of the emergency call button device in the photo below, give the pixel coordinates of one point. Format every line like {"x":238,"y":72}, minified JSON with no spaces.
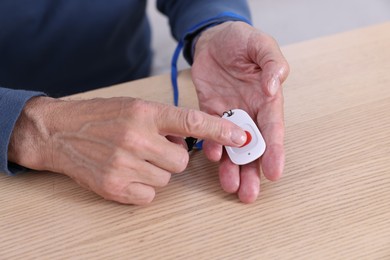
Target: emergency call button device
{"x":254,"y":146}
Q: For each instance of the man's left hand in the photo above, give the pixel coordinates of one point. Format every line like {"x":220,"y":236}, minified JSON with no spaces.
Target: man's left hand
{"x":237,"y":66}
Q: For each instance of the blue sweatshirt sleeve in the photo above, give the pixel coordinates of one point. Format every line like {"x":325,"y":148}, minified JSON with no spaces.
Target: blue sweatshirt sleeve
{"x":185,"y":14}
{"x":12,"y":103}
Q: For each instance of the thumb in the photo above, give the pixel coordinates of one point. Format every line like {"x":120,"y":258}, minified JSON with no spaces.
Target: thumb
{"x":274,"y":75}
{"x":189,"y":122}
{"x":265,"y":51}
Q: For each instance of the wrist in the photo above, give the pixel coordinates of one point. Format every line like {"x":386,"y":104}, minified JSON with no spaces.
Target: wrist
{"x":194,"y":31}
{"x":30,"y":144}
{"x":204,"y":37}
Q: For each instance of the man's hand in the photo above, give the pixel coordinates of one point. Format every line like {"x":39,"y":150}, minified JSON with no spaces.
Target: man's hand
{"x":120,"y":148}
{"x":236,"y":66}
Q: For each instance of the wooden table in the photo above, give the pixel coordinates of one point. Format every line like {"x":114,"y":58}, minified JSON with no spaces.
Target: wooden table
{"x":332,"y":203}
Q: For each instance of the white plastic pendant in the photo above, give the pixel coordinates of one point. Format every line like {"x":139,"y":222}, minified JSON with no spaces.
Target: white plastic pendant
{"x":255,"y":145}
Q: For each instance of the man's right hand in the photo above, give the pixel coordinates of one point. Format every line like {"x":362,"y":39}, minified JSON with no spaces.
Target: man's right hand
{"x":120,"y":148}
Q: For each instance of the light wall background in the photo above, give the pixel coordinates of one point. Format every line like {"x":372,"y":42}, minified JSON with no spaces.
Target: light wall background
{"x":287,"y":21}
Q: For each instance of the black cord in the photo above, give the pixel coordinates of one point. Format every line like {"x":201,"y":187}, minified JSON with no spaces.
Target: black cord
{"x":190,"y":141}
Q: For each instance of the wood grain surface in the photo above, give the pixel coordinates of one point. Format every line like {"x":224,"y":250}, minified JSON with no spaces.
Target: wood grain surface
{"x":332,"y":203}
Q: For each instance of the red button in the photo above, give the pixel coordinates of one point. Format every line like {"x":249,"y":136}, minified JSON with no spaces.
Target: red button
{"x":248,"y":138}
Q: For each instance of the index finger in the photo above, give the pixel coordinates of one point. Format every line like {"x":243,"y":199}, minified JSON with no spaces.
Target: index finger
{"x":190,"y":122}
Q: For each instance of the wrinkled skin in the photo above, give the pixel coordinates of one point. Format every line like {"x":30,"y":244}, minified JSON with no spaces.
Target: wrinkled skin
{"x":120,"y":148}
{"x":123,"y":148}
{"x":237,"y":66}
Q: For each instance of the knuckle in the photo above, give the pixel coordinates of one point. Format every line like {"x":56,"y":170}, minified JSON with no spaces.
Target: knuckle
{"x":144,"y":198}
{"x":165,"y":179}
{"x":132,"y":138}
{"x":223,"y":131}
{"x":181,"y":162}
{"x":136,"y":140}
{"x":138,"y":105}
{"x":127,"y":106}
{"x":124,"y":133}
{"x":194,"y":121}
{"x":162,"y":179}
{"x":116,"y":161}
{"x":111,"y":186}
{"x":140,"y":110}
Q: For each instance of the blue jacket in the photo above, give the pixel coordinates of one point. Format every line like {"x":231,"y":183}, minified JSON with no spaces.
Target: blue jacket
{"x":60,"y":47}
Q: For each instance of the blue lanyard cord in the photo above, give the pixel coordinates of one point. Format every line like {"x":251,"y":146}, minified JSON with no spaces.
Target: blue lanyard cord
{"x":223,"y":17}
{"x":175,"y":57}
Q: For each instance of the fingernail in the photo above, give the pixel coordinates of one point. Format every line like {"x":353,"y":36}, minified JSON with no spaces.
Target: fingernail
{"x":273,"y":86}
{"x":238,"y":137}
